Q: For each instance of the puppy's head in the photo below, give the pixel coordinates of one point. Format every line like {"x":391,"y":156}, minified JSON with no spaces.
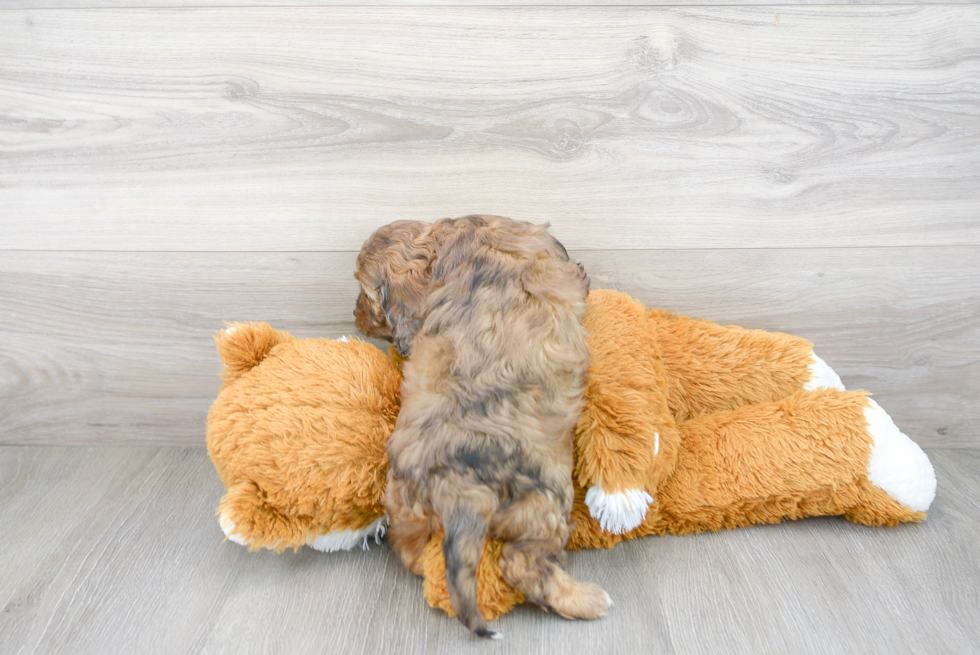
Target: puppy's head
{"x":394,"y":267}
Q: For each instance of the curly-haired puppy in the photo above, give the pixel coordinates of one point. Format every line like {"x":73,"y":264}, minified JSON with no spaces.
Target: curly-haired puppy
{"x":491,"y":311}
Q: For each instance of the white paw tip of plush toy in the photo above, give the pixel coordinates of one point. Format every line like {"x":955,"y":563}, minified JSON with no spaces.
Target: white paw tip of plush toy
{"x":822,"y":375}
{"x":326,"y":543}
{"x":898,"y":466}
{"x":609,"y":600}
{"x":618,"y":512}
{"x":231,"y":330}
{"x":228,"y":527}
{"x":347,"y":539}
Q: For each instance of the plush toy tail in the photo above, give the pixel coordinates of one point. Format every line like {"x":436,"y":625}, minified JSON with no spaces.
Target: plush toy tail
{"x":462,"y":547}
{"x":242,"y":346}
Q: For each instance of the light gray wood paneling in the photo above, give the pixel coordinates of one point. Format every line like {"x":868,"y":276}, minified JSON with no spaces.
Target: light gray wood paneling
{"x":118,"y":550}
{"x":154,"y":4}
{"x":117,"y":348}
{"x":264,"y":129}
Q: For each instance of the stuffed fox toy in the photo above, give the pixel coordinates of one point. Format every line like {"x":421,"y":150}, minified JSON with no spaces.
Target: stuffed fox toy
{"x":687,"y":426}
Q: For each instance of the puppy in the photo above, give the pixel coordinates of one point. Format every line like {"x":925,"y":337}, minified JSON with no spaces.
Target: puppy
{"x":491,"y":311}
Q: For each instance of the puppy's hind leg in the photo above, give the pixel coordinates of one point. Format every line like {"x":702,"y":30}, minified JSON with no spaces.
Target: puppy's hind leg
{"x":533,"y":567}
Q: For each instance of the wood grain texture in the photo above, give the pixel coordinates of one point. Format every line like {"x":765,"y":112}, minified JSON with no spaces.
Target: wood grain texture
{"x":117,"y":347}
{"x":156,"y":4}
{"x":118,"y":550}
{"x":627,"y":127}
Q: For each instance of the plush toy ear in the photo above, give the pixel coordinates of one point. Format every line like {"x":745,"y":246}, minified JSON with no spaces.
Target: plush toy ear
{"x":242,"y":346}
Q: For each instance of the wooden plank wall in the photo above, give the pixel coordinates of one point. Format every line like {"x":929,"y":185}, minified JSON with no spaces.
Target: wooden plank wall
{"x":813,"y":169}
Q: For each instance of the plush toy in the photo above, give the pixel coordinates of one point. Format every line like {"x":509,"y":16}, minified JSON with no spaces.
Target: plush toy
{"x":687,"y":426}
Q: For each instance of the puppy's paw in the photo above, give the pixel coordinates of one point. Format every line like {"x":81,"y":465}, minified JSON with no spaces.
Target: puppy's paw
{"x":618,"y":512}
{"x":585,"y":600}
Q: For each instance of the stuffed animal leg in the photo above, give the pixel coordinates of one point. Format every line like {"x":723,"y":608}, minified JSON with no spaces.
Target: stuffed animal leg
{"x":814,"y":453}
{"x":717,"y":368}
{"x":714,"y":369}
{"x":626,"y":438}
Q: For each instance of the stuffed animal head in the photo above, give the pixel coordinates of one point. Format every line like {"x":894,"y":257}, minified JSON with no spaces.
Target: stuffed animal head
{"x":298,"y":436}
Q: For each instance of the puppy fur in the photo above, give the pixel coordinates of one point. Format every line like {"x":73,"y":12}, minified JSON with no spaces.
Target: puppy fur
{"x":491,"y":311}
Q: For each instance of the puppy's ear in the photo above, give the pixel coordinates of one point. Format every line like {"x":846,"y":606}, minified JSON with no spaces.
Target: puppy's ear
{"x":396,"y":264}
{"x":402,"y":334}
{"x":403,"y":302}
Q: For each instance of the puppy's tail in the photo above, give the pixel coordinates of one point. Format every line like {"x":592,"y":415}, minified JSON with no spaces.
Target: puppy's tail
{"x":462,"y":547}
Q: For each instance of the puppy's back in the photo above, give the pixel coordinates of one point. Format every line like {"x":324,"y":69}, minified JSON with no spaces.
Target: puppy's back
{"x":503,"y":338}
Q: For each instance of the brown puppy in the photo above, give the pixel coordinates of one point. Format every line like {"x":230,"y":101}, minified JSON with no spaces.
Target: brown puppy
{"x":491,"y":311}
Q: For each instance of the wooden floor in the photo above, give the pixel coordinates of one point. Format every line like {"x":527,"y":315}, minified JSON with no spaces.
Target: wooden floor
{"x":116,"y":550}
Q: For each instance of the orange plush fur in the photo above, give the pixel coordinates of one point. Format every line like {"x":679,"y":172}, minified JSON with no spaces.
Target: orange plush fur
{"x":714,"y":424}
{"x":299,"y":441}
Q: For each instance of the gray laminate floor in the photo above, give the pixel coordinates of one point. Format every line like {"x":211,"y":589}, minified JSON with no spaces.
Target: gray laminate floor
{"x":109,"y":550}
